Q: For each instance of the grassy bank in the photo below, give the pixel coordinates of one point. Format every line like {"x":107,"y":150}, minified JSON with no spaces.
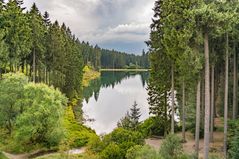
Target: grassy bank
{"x":89,"y":74}
{"x":2,"y":156}
{"x":126,"y":70}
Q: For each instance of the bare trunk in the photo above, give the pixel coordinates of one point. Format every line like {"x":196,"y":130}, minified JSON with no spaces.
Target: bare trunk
{"x":45,"y":75}
{"x":23,"y":66}
{"x":165,"y":114}
{"x":26,"y":69}
{"x":197,"y":119}
{"x":34,"y":65}
{"x":207,"y":97}
{"x":172,"y":98}
{"x":203,"y":98}
{"x":0,"y":73}
{"x":234,"y":111}
{"x":212,"y":105}
{"x":183,"y":113}
{"x":226,"y":100}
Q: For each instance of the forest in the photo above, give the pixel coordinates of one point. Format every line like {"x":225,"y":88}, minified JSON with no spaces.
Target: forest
{"x":192,"y":60}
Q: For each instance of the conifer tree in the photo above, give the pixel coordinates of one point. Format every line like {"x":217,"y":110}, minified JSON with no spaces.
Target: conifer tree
{"x":37,"y":35}
{"x":134,"y":116}
{"x":17,"y":33}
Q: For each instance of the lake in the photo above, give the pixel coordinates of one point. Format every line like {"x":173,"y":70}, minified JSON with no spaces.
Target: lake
{"x":108,"y":98}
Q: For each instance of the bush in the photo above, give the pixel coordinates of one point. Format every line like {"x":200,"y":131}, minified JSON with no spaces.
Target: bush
{"x":121,"y":135}
{"x":95,"y":144}
{"x":41,"y":120}
{"x":34,"y":113}
{"x":2,"y":156}
{"x":233,"y":139}
{"x":124,"y":139}
{"x":139,"y":152}
{"x":152,"y":126}
{"x":171,"y":147}
{"x":77,"y":134}
{"x":11,"y":93}
{"x":112,"y":151}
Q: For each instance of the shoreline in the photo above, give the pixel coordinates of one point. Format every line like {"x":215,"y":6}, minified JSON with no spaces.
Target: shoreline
{"x":126,"y":70}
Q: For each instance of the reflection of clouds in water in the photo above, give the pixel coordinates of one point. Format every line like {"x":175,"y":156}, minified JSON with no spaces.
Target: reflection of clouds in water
{"x":113,"y":103}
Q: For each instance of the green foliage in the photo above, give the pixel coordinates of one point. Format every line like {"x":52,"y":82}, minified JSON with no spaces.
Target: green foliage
{"x":77,"y":135}
{"x":145,"y":152}
{"x":37,"y":124}
{"x":233,"y":139}
{"x":2,"y":156}
{"x":125,"y":122}
{"x":17,"y":33}
{"x":153,"y":126}
{"x":131,"y":119}
{"x":171,"y":147}
{"x":111,"y":151}
{"x":31,"y":113}
{"x":11,"y":94}
{"x":89,"y":74}
{"x":120,"y":138}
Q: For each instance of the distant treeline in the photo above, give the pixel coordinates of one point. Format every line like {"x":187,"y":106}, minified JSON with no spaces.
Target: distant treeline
{"x":103,"y":58}
{"x":49,"y":52}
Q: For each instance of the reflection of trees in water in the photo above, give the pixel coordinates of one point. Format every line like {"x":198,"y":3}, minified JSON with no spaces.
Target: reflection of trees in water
{"x":110,"y":79}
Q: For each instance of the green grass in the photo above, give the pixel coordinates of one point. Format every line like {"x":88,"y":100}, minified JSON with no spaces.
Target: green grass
{"x":2,"y":156}
{"x":126,"y":70}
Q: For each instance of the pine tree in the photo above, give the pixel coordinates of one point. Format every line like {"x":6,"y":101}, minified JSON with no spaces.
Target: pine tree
{"x":134,"y":116}
{"x":17,"y":34}
{"x":37,"y":35}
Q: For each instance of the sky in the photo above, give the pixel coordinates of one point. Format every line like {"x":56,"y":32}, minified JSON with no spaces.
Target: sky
{"x":122,"y":25}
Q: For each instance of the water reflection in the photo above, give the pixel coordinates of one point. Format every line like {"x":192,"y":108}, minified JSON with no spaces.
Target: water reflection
{"x":108,"y":98}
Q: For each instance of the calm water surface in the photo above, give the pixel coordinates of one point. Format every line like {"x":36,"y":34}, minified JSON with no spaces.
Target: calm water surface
{"x":108,"y":98}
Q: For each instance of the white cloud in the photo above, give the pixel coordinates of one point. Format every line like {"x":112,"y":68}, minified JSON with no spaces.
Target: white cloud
{"x":100,"y":21}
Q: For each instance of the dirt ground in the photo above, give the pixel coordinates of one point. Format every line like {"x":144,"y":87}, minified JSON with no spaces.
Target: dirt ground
{"x":216,"y":147}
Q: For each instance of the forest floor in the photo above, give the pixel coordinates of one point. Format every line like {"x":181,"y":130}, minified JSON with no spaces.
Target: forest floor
{"x":216,"y":147}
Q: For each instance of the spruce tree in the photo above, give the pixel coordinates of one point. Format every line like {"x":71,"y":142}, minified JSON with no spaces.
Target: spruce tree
{"x":134,"y":116}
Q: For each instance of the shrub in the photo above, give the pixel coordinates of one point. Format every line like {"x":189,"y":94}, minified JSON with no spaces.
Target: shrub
{"x":171,"y":147}
{"x":77,"y":134}
{"x":139,"y":152}
{"x":233,"y":139}
{"x":11,"y":93}
{"x":40,"y":122}
{"x":112,"y":151}
{"x":95,"y":144}
{"x":152,"y":126}
{"x":120,"y":138}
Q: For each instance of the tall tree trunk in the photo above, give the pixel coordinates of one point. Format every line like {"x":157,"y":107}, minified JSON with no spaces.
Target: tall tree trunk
{"x":197,"y":133}
{"x":27,"y":69}
{"x":0,"y":73}
{"x":212,"y":105}
{"x":183,"y":113}
{"x":226,"y":99}
{"x":34,"y":65}
{"x":207,"y":97}
{"x":165,"y":113}
{"x":203,"y":98}
{"x":234,"y":109}
{"x":172,"y":98}
{"x":45,"y":75}
{"x":23,"y":66}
